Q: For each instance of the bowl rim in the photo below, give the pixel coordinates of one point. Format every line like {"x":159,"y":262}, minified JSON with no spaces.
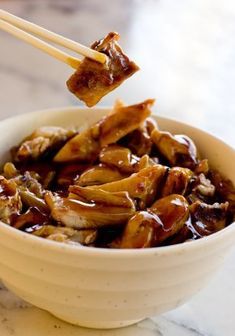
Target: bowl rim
{"x":105,"y":252}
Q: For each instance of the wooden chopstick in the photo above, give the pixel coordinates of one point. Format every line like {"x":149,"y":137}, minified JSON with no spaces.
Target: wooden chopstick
{"x":36,"y":42}
{"x":48,"y":35}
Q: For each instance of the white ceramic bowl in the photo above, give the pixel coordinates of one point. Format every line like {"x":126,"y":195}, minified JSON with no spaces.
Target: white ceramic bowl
{"x":103,"y":288}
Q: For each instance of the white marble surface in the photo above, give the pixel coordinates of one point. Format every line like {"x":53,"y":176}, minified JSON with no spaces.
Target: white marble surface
{"x":186,"y":50}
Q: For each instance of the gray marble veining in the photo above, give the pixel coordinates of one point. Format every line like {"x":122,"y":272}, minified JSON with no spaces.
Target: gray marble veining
{"x":186,"y":50}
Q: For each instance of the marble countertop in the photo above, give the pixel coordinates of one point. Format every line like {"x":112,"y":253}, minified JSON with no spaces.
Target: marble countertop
{"x":186,"y":50}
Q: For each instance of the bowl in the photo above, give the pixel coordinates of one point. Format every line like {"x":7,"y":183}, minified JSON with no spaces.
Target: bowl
{"x":103,"y":288}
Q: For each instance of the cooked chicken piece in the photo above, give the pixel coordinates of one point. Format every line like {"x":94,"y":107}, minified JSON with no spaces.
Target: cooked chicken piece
{"x":142,"y":186}
{"x":32,"y":219}
{"x":40,"y":141}
{"x":123,"y":121}
{"x":202,"y":167}
{"x":99,"y":174}
{"x":28,"y":182}
{"x":177,"y":181}
{"x":150,"y":228}
{"x":84,"y":237}
{"x":30,"y":199}
{"x":224,"y":189}
{"x":119,"y":157}
{"x":53,"y":133}
{"x":202,"y":189}
{"x":186,"y":233}
{"x":83,"y":147}
{"x":66,"y":235}
{"x":204,"y":186}
{"x":43,"y":171}
{"x":139,"y":232}
{"x":208,"y":218}
{"x":173,"y":212}
{"x":93,"y":80}
{"x":30,"y":190}
{"x":100,"y":209}
{"x":9,"y":170}
{"x":117,"y":104}
{"x":49,"y":178}
{"x":150,"y":125}
{"x":179,"y":150}
{"x":144,"y":162}
{"x":69,"y":174}
{"x":10,"y":202}
{"x":89,"y":194}
{"x":139,"y":141}
{"x":86,"y":145}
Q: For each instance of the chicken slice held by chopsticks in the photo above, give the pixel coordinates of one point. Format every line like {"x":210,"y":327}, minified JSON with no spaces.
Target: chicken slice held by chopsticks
{"x":93,"y":80}
{"x":87,"y":145}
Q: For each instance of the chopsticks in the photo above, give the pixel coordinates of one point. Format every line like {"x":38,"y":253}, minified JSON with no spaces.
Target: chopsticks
{"x":20,"y":28}
{"x":34,"y":41}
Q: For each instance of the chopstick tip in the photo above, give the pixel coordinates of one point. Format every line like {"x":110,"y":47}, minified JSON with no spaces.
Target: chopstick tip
{"x":74,"y":62}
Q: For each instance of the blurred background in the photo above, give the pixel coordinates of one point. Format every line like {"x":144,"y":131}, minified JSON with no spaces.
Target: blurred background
{"x":185,"y":48}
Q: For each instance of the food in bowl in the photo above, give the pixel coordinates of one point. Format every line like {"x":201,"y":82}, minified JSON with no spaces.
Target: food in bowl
{"x":101,"y":287}
{"x":121,"y":183}
{"x":92,"y":80}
